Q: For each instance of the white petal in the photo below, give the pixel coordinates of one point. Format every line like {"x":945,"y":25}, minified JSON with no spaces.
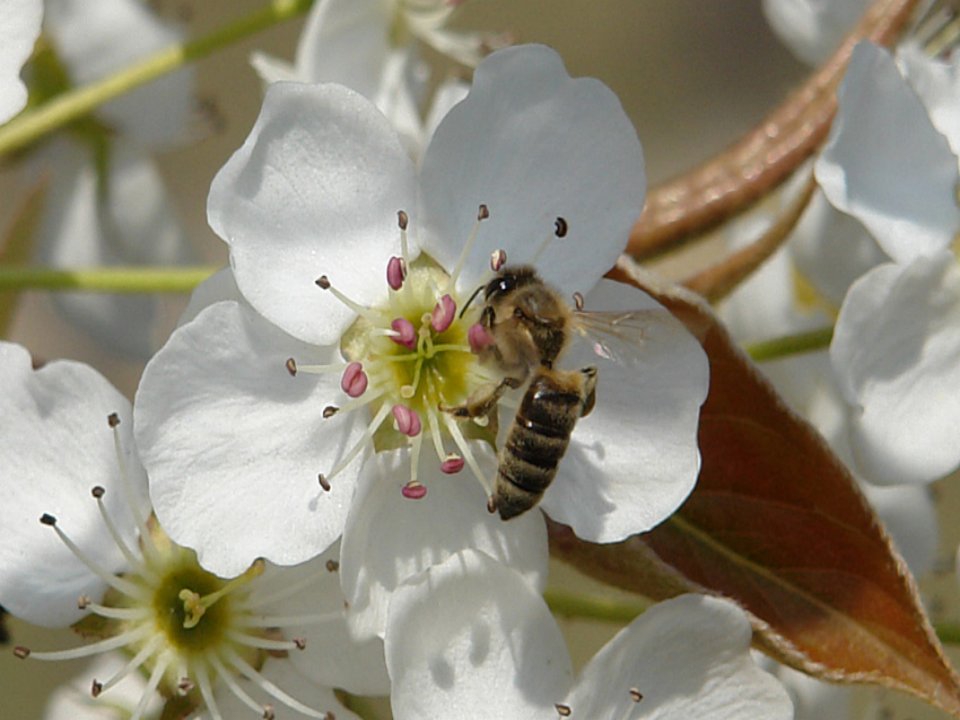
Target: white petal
{"x":937,"y":82}
{"x":314,"y":190}
{"x":909,"y":515}
{"x":634,"y":459}
{"x":55,"y":446}
{"x":388,"y":538}
{"x":72,"y":701}
{"x":19,"y":28}
{"x":98,"y":37}
{"x":812,"y":699}
{"x":886,"y":164}
{"x":894,"y":354}
{"x":233,"y":444}
{"x":127,"y":221}
{"x":332,"y":656}
{"x":471,"y":639}
{"x":533,"y":145}
{"x":219,"y":286}
{"x":271,"y":69}
{"x":812,"y":29}
{"x":689,"y":658}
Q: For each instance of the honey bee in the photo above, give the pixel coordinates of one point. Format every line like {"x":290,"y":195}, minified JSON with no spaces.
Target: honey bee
{"x":530,"y":326}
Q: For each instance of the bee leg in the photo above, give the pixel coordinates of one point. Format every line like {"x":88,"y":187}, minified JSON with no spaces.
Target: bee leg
{"x":589,"y":389}
{"x":482,"y":402}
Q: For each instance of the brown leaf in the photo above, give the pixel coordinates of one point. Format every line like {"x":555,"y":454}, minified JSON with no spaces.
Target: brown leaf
{"x":778,"y":524}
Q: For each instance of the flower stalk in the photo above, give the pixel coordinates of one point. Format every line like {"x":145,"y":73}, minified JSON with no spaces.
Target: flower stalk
{"x":131,"y":280}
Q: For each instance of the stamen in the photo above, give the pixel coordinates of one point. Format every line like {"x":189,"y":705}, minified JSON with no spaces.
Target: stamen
{"x":206,"y":689}
{"x":560,"y":228}
{"x":498,"y":258}
{"x":291,"y":366}
{"x":413,"y":490}
{"x":112,"y":643}
{"x":452,"y":465}
{"x":406,"y":333}
{"x":354,"y":380}
{"x":396,"y":272}
{"x":636,"y":695}
{"x":482,"y":214}
{"x":150,"y":551}
{"x":133,"y":561}
{"x":313,"y":369}
{"x":117,"y":583}
{"x":578,"y":301}
{"x":407,"y":420}
{"x":323,"y":282}
{"x":262,"y":643}
{"x":479,"y":338}
{"x":329,"y":411}
{"x":281,"y":621}
{"x":283,"y":592}
{"x":135,"y":662}
{"x":131,"y":613}
{"x":454,"y":429}
{"x":155,"y":677}
{"x":251,"y":674}
{"x":332,"y":565}
{"x":444,"y":313}
{"x":360,"y":444}
{"x":434,"y":425}
{"x":234,"y":686}
{"x":563,"y":710}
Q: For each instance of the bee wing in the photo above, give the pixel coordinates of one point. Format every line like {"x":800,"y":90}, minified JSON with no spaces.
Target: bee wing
{"x":623,"y":336}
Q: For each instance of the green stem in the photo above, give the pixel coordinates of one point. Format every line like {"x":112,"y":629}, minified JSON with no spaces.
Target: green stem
{"x":32,"y":124}
{"x":948,"y":633}
{"x":572,"y":605}
{"x":790,"y":345}
{"x":114,"y":279}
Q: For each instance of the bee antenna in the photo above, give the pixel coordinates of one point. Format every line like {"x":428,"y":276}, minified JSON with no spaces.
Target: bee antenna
{"x":470,"y":300}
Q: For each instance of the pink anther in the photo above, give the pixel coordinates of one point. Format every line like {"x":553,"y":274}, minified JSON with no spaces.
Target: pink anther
{"x":396,"y":272}
{"x":452,"y":465}
{"x":444,"y":313}
{"x":414,"y":490}
{"x":498,"y":258}
{"x":407,"y":419}
{"x":354,"y":380}
{"x":406,"y":333}
{"x":478,"y":337}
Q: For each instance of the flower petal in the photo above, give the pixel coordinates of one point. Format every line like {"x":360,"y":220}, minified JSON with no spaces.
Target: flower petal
{"x":533,"y":145}
{"x":886,"y":164}
{"x":469,"y":638}
{"x":689,"y":658}
{"x":314,"y":190}
{"x":98,"y":37}
{"x":55,"y":446}
{"x":812,"y":29}
{"x":233,"y":444}
{"x":388,"y":538}
{"x":937,"y":82}
{"x":19,"y":28}
{"x":634,"y":459}
{"x":894,"y":354}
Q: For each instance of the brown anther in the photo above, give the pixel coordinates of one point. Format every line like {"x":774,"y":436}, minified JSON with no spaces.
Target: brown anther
{"x":323,"y":482}
{"x":563,"y":710}
{"x":185,"y":685}
{"x":98,"y":491}
{"x":300,"y":642}
{"x":113,"y":420}
{"x":268,"y":713}
{"x":96,"y":687}
{"x":21,"y":652}
{"x":403,"y":219}
{"x":323,"y":282}
{"x":498,"y":258}
{"x":578,"y":300}
{"x":636,"y":695}
{"x":560,"y":227}
{"x":48,"y":519}
{"x":329,"y":411}
{"x":483,"y":212}
{"x":332,"y":566}
{"x":291,"y":366}
{"x":83,"y":602}
{"x":329,"y":716}
{"x":491,"y":504}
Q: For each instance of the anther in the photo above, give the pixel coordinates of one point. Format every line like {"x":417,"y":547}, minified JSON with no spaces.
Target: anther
{"x":413,"y":490}
{"x":403,"y":219}
{"x":21,"y":652}
{"x":563,"y":710}
{"x":48,"y":519}
{"x":560,"y":227}
{"x":407,"y":420}
{"x":268,"y":713}
{"x":578,"y":300}
{"x":483,"y":212}
{"x":498,"y":258}
{"x":396,"y":272}
{"x":329,"y":411}
{"x":113,"y":420}
{"x":324,"y":483}
{"x":444,"y":313}
{"x":406,"y":333}
{"x":300,"y":642}
{"x":491,"y":504}
{"x":323,"y":282}
{"x":478,"y":338}
{"x":332,"y":566}
{"x":329,"y":716}
{"x":452,"y":465}
{"x":636,"y":695}
{"x":96,"y":687}
{"x":291,"y":366}
{"x":354,"y":380}
{"x":83,"y":602}
{"x":98,"y":491}
{"x":185,"y":685}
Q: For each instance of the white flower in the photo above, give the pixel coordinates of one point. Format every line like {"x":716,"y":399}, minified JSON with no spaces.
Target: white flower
{"x":813,"y":29}
{"x":19,"y":28}
{"x":103,"y":564}
{"x":469,"y":639}
{"x":106,"y":203}
{"x":315,"y":191}
{"x":896,"y":340}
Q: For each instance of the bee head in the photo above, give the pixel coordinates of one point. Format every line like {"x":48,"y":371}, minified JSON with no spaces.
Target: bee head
{"x":508,"y":280}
